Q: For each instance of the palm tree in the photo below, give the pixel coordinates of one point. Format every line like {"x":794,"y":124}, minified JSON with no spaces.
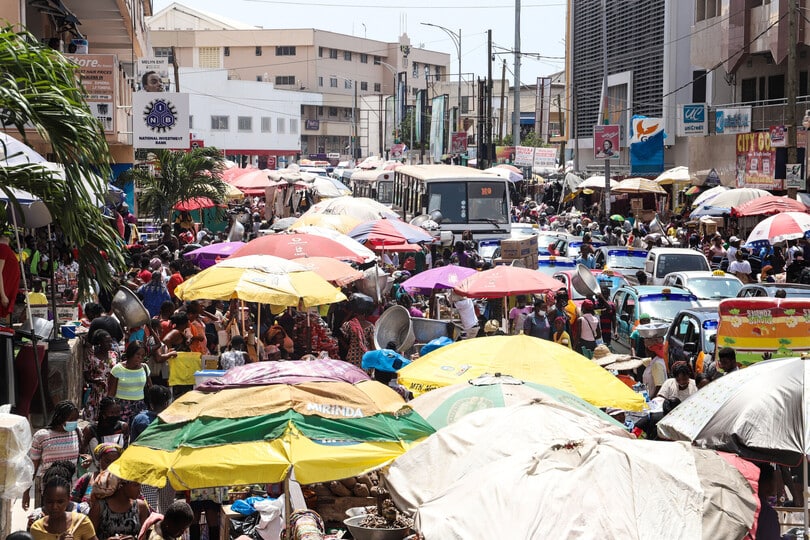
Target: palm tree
{"x":39,"y":90}
{"x":183,"y":176}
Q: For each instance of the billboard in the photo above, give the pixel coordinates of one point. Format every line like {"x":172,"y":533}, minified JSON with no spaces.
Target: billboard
{"x":756,"y":161}
{"x":524,"y":156}
{"x":160,"y":68}
{"x":646,"y":145}
{"x":98,"y":74}
{"x":732,"y":121}
{"x":606,"y":142}
{"x":692,"y":120}
{"x":160,"y":120}
{"x":545,"y":158}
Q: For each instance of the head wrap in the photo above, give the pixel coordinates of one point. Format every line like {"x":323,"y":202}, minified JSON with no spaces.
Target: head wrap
{"x":105,"y":485}
{"x":105,"y":448}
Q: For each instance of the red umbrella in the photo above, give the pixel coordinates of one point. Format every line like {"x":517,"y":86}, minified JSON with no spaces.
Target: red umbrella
{"x":768,"y":205}
{"x":196,"y":203}
{"x":254,"y":182}
{"x":506,"y":281}
{"x":230,"y":175}
{"x":295,"y":246}
{"x":388,"y":232}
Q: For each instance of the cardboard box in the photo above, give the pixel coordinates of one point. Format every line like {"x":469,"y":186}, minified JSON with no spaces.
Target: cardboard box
{"x":530,"y":261}
{"x":517,"y":248}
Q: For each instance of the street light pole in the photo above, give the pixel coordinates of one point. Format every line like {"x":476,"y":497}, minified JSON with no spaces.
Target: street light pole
{"x":395,"y":88}
{"x":456,"y":38}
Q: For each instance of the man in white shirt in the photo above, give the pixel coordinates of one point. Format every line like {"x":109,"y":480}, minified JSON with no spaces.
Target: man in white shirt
{"x":740,"y":267}
{"x":733,"y":247}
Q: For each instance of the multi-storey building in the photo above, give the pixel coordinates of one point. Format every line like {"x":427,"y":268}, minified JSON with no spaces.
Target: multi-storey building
{"x":348,"y":71}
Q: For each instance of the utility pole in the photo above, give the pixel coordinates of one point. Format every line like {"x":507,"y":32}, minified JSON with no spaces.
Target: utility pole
{"x":488,"y":105}
{"x":575,"y":130}
{"x":560,"y":117}
{"x":176,"y":67}
{"x":380,"y":127}
{"x":606,"y":190}
{"x":793,"y":38}
{"x":503,"y":92}
{"x":516,"y":108}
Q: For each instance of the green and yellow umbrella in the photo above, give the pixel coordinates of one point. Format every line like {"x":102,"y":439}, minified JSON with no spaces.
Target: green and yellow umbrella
{"x":325,"y":420}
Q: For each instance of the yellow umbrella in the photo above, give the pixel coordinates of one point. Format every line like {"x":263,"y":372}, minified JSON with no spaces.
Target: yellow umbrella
{"x":340,"y":223}
{"x":252,"y":285}
{"x":524,"y":357}
{"x":637,"y":185}
{"x":232,"y":193}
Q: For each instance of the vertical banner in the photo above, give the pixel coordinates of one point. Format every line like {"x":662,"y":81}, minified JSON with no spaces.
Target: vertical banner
{"x":401,"y":98}
{"x":606,"y":142}
{"x":160,"y":120}
{"x":458,"y":142}
{"x":542,"y":107}
{"x":389,"y":122}
{"x":756,"y":161}
{"x":646,"y":145}
{"x":419,"y":114}
{"x":99,"y":74}
{"x":438,"y":106}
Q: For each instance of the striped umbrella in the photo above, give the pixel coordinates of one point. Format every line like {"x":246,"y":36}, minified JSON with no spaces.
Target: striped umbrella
{"x":325,"y":420}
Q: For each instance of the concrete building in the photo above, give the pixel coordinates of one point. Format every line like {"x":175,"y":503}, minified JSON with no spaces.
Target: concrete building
{"x":347,"y":70}
{"x":101,"y":35}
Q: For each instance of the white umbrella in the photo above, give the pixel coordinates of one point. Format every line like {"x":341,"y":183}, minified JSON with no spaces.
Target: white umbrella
{"x":350,"y":243}
{"x":708,"y":195}
{"x":596,"y":182}
{"x":501,"y":172}
{"x":674,"y":175}
{"x":14,"y":152}
{"x":266,"y":263}
{"x":637,"y":185}
{"x":33,"y":213}
{"x":358,"y":207}
{"x":723,"y":203}
{"x":325,"y":188}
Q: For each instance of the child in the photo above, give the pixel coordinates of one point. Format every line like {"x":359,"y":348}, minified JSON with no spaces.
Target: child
{"x":560,"y":335}
{"x":171,"y":525}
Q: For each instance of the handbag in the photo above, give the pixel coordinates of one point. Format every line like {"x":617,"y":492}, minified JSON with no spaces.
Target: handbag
{"x":597,"y":340}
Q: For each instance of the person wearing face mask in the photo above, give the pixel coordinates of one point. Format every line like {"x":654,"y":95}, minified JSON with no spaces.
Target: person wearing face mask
{"x":109,"y":428}
{"x":60,"y":440}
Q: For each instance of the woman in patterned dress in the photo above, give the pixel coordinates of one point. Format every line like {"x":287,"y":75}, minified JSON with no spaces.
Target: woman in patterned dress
{"x":97,"y":366}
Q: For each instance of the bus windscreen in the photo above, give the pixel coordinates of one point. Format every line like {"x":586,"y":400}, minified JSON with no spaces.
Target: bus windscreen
{"x":469,"y":202}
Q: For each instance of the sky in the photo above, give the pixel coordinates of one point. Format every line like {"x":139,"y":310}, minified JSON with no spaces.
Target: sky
{"x":542,"y":26}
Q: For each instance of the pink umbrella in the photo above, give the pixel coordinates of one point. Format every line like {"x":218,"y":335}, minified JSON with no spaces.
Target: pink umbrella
{"x":291,"y":372}
{"x":295,"y":246}
{"x":197,"y":203}
{"x":254,"y":182}
{"x":386,"y":232}
{"x":442,"y":277}
{"x":768,"y":205}
{"x":230,"y":175}
{"x":506,"y":281}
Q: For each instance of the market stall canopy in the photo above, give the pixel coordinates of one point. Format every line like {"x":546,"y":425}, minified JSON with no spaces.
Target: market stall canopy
{"x":525,"y":357}
{"x":14,"y":152}
{"x":254,"y":182}
{"x":708,"y":195}
{"x":350,"y":243}
{"x":387,"y":232}
{"x":295,"y":246}
{"x":229,"y":175}
{"x":596,"y":182}
{"x":441,"y":277}
{"x":506,"y":281}
{"x":724,"y":202}
{"x":197,"y":203}
{"x":342,"y":224}
{"x":257,"y":433}
{"x":24,"y":209}
{"x":332,"y":270}
{"x":637,"y":185}
{"x":326,"y":186}
{"x":508,"y":174}
{"x":768,"y":205}
{"x":360,"y":208}
{"x":674,"y":175}
{"x":780,"y":228}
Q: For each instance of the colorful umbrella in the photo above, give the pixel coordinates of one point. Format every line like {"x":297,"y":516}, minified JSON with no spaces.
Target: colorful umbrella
{"x":325,"y":186}
{"x":197,"y":203}
{"x":617,"y":217}
{"x":506,"y":281}
{"x":358,"y":207}
{"x":779,"y":228}
{"x":253,"y":182}
{"x":525,"y":357}
{"x":332,"y":270}
{"x":694,"y":190}
{"x":708,"y":195}
{"x":441,"y":277}
{"x":637,"y":185}
{"x":295,"y":246}
{"x":724,"y":202}
{"x":256,"y":433}
{"x":443,"y":406}
{"x":341,"y":224}
{"x":340,"y":238}
{"x":385,"y":232}
{"x":767,"y":206}
{"x":221,"y":282}
{"x":209,"y":255}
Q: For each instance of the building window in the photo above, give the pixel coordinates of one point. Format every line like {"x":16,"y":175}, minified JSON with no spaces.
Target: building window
{"x":707,"y":9}
{"x":219,"y":123}
{"x":333,"y":82}
{"x":438,"y":73}
{"x":363,"y":58}
{"x":748,"y":90}
{"x":377,"y":87}
{"x":244,"y":123}
{"x":415,"y":73}
{"x":776,"y":87}
{"x":377,"y":60}
{"x":347,"y":84}
{"x":803,"y":81}
{"x":259,"y":78}
{"x":226,"y":51}
{"x":347,"y":55}
{"x":285,"y":80}
{"x":285,"y":50}
{"x":320,"y":52}
{"x":364,"y":86}
{"x":320,"y":111}
{"x":190,"y":121}
{"x":699,"y":86}
{"x":333,"y":53}
{"x":465,"y":104}
{"x":347,"y":113}
{"x":320,"y":81}
{"x":258,"y":51}
{"x":332,"y":111}
{"x":209,"y":57}
{"x":164,"y":52}
{"x":267,"y":124}
{"x":280,"y":125}
{"x":293,"y":126}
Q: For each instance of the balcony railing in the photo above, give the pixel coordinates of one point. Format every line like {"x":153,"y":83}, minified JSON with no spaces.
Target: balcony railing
{"x":767,"y":113}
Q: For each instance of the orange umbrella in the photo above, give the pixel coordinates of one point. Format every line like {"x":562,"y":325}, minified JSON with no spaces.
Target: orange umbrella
{"x":230,"y":175}
{"x":196,"y":203}
{"x":506,"y":281}
{"x":338,"y":272}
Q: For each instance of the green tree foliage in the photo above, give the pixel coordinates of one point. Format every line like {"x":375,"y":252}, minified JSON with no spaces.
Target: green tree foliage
{"x":40,"y":90}
{"x":180,"y":176}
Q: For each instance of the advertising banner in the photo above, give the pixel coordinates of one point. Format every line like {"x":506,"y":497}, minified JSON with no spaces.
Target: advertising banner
{"x":646,"y":145}
{"x":731,"y":121}
{"x":148,"y":69}
{"x":160,"y":120}
{"x":504,"y":154}
{"x":98,"y":73}
{"x":778,"y":136}
{"x":438,"y":106}
{"x":692,"y":120}
{"x":545,"y":158}
{"x":794,"y":179}
{"x":524,"y":156}
{"x":756,"y":161}
{"x":606,"y":142}
{"x":458,"y":142}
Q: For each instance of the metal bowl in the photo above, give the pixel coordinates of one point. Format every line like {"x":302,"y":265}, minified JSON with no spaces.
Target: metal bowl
{"x":426,"y":330}
{"x":652,"y":330}
{"x":394,"y":326}
{"x":129,"y":308}
{"x":584,"y":282}
{"x":365,"y":533}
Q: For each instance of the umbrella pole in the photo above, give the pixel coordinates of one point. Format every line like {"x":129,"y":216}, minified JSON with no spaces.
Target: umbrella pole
{"x":288,"y":509}
{"x":804,"y":495}
{"x":258,"y":328}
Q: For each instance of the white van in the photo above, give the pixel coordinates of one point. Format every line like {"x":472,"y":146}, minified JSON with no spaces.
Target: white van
{"x":663,"y":261}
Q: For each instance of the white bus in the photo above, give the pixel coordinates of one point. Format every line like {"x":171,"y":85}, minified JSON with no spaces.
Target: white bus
{"x":374,"y":184}
{"x":467,"y":198}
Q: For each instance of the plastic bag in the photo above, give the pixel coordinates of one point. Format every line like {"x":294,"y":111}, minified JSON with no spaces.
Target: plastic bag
{"x":15,"y":441}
